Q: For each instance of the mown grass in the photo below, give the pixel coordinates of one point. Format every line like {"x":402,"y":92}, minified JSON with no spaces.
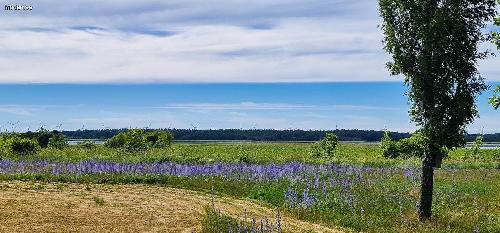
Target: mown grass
{"x":370,"y":155}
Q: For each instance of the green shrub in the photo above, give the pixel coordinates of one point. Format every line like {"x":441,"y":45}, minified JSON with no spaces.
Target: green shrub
{"x":413,"y":146}
{"x":159,"y":139}
{"x":44,"y":138}
{"x":136,"y":140}
{"x":389,"y":147}
{"x":117,"y":141}
{"x":478,"y":142}
{"x":325,"y":147}
{"x":57,"y":141}
{"x":3,"y":144}
{"x":87,"y":145}
{"x":22,"y":146}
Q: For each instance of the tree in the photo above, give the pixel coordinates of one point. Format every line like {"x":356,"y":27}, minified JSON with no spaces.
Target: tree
{"x":495,"y":99}
{"x":496,"y":35}
{"x":434,"y":44}
{"x":325,"y":147}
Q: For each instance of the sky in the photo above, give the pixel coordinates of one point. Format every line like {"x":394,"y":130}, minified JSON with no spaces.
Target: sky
{"x":355,"y":105}
{"x":203,"y":63}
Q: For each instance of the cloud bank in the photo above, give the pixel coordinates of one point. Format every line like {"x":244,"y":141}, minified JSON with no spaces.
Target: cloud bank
{"x":196,"y":41}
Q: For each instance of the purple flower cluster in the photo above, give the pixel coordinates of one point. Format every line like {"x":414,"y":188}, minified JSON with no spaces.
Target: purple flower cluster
{"x":296,"y":172}
{"x":309,"y":185}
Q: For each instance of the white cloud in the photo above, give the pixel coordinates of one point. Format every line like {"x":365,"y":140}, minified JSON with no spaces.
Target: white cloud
{"x":238,"y":106}
{"x":365,"y":107}
{"x":272,"y":106}
{"x":196,"y":41}
{"x":288,"y":53}
{"x":21,"y":110}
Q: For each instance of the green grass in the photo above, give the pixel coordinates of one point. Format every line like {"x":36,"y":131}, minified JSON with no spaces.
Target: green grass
{"x":464,"y":199}
{"x":370,"y":155}
{"x":215,"y":221}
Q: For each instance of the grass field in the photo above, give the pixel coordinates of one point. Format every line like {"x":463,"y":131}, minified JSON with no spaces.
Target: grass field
{"x":355,"y":190}
{"x":370,"y":155}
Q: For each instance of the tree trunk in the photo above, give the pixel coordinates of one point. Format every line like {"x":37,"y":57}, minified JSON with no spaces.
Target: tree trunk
{"x":425,"y":207}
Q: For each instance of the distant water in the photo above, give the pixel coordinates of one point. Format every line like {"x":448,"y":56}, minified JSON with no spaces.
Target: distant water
{"x":494,"y":145}
{"x":78,"y":141}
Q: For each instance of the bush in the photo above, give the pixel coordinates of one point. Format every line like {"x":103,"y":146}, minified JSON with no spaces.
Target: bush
{"x":117,"y":141}
{"x":159,"y":139}
{"x":389,"y":147}
{"x":413,"y":146}
{"x":22,"y":146}
{"x":325,"y":147}
{"x":44,"y":138}
{"x":88,"y":145}
{"x":57,"y":141}
{"x":137,"y":140}
{"x":478,"y":142}
{"x":3,"y":144}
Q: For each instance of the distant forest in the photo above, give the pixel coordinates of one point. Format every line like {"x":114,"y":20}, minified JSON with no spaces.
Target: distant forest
{"x":264,"y":134}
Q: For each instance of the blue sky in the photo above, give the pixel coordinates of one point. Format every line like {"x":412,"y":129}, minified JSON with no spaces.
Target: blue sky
{"x":291,"y":64}
{"x":362,"y":105}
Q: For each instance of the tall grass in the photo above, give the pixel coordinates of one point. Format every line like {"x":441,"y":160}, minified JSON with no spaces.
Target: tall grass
{"x":215,"y":221}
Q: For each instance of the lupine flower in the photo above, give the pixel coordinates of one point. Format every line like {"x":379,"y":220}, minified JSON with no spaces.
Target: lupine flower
{"x":291,"y":197}
{"x":315,"y":181}
{"x":307,"y":200}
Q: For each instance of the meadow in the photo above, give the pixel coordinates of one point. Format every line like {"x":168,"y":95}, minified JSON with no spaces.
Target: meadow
{"x":258,"y":153}
{"x":356,"y":189}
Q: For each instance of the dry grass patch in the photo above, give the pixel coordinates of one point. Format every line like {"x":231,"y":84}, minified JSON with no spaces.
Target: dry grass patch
{"x":61,"y":207}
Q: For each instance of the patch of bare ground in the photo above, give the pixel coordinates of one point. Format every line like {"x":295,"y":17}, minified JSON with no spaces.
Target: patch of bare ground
{"x":63,"y":207}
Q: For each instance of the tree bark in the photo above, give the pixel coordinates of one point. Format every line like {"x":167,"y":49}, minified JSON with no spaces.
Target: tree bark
{"x":426,"y":187}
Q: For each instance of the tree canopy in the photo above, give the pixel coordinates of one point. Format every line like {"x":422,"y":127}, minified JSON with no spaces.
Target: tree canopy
{"x":435,"y":45}
{"x":496,"y":34}
{"x":495,"y":99}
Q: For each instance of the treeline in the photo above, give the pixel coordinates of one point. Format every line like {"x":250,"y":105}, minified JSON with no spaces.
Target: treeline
{"x":264,"y":134}
{"x":251,"y":134}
